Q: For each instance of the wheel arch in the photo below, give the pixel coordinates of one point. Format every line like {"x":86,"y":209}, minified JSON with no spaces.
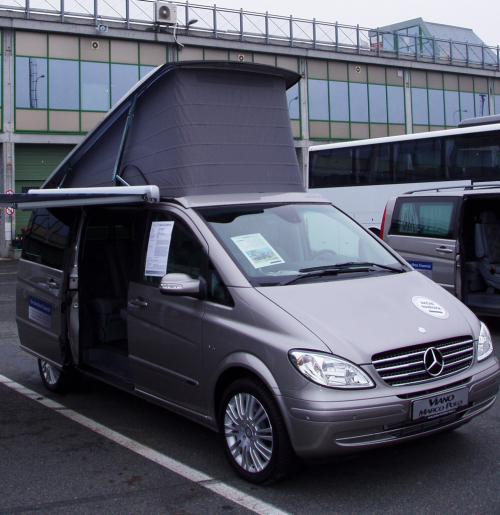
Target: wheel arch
{"x":240,"y":365}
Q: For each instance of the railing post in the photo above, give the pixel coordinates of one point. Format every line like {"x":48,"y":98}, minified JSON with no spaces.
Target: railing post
{"x":467,"y":53}
{"x":397,"y":44}
{"x":27,"y":9}
{"x":337,"y":36}
{"x":451,"y":52}
{"x":127,"y":14}
{"x":187,"y":15}
{"x":96,"y":9}
{"x":434,"y":48}
{"x":314,"y":33}
{"x":62,"y":11}
{"x":215,"y":21}
{"x":291,"y":30}
{"x":357,"y":40}
{"x":498,"y":58}
{"x":484,"y":60}
{"x":416,"y":48}
{"x":241,"y":24}
{"x":267,"y":28}
{"x":378,"y":42}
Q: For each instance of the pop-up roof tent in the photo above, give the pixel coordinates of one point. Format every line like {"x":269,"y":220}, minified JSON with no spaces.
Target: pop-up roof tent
{"x":193,"y":128}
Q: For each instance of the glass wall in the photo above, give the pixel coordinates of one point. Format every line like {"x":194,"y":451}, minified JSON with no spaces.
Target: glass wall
{"x":67,"y":83}
{"x":441,"y":100}
{"x":350,"y":101}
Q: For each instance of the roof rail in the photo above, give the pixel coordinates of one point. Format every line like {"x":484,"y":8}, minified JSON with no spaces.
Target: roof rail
{"x":480,"y":120}
{"x":467,"y":187}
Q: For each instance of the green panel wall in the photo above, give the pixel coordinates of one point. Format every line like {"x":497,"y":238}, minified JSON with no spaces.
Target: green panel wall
{"x":33,"y":164}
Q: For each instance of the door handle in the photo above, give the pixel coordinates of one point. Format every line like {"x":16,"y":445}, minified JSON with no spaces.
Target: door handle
{"x":444,"y":250}
{"x":53,"y":285}
{"x":137,"y":303}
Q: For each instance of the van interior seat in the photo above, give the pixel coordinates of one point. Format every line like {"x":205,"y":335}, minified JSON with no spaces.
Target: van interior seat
{"x":108,"y":298}
{"x":487,"y":247}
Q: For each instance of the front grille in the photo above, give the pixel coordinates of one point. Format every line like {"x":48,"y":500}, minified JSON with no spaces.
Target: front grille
{"x":406,"y":366}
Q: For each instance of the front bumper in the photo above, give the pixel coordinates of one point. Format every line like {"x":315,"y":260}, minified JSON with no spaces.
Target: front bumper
{"x":320,"y":429}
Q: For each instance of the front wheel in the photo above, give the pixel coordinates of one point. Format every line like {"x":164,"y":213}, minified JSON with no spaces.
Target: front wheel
{"x":53,"y":379}
{"x":253,"y":432}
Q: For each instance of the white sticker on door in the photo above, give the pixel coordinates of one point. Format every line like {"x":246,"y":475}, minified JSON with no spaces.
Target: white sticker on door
{"x":40,"y":312}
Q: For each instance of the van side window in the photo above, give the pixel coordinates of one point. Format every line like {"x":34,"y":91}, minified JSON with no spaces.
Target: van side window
{"x":423,"y":217}
{"x":46,"y":237}
{"x":184,"y":251}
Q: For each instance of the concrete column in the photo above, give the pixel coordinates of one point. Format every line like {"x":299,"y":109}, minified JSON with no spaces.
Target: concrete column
{"x":407,"y":85}
{"x":7,"y":172}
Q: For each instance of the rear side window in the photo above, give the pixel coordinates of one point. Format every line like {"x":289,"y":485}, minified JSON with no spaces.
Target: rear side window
{"x":434,"y":218}
{"x":46,"y":237}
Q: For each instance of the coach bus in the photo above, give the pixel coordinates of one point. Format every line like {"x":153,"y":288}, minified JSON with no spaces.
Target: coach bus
{"x":361,"y":176}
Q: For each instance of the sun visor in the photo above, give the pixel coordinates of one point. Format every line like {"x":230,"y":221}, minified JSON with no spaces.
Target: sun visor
{"x":193,"y":129}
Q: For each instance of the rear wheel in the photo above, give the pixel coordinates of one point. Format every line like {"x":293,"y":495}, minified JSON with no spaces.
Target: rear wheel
{"x":253,"y":432}
{"x":53,"y":378}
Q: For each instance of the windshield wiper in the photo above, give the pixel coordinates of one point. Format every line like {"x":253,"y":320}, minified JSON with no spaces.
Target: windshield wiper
{"x":322,"y":271}
{"x":341,"y":268}
{"x":349,"y":266}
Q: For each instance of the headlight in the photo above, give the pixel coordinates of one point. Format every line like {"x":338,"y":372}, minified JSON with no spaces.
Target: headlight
{"x":484,"y":343}
{"x":328,"y":370}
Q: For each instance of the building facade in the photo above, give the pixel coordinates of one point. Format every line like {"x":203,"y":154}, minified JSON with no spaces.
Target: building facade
{"x":62,"y":71}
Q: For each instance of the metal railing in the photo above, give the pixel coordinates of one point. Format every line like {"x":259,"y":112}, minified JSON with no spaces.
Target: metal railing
{"x":265,"y":28}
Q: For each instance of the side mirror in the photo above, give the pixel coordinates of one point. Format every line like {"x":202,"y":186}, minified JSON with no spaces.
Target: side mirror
{"x":180,"y":284}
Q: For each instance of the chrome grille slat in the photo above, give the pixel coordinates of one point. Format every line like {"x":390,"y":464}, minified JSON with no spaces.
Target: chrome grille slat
{"x":403,"y":367}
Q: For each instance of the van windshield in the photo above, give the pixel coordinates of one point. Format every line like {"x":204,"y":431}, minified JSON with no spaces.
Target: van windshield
{"x":278,"y":244}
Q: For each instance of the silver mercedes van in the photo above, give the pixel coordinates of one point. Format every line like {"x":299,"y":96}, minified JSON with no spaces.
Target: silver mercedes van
{"x":175,"y":254}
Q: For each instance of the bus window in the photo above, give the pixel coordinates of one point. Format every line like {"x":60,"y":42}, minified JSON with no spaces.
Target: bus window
{"x":332,"y":168}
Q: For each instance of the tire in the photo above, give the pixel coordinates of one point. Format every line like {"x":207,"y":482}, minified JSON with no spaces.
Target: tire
{"x":253,"y":433}
{"x":53,"y":378}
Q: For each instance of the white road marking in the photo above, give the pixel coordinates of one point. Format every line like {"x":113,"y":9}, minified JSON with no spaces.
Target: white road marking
{"x":218,"y":487}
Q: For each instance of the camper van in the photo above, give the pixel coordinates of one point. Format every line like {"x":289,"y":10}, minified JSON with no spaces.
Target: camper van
{"x":176,"y":255}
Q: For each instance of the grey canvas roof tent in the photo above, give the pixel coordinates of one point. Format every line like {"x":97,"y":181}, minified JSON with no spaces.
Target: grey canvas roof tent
{"x":191,"y":128}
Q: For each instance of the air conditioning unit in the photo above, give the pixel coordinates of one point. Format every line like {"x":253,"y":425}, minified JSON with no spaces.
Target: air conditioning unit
{"x":166,"y":13}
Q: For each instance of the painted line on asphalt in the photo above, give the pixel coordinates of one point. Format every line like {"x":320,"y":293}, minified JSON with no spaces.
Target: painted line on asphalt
{"x":218,"y":487}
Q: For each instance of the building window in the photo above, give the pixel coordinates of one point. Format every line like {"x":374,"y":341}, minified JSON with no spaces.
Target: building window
{"x":318,"y":99}
{"x":452,"y":108}
{"x":64,"y":84}
{"x":378,"y":103}
{"x":31,"y":82}
{"x":339,"y":101}
{"x":95,"y":86}
{"x":123,"y":77}
{"x":358,"y":102}
{"x":466,"y":105}
{"x":293,"y":102}
{"x":436,"y":107}
{"x":482,"y":104}
{"x":396,"y":104}
{"x":420,"y":108}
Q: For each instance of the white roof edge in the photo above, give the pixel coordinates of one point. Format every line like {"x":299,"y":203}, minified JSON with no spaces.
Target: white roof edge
{"x":403,"y":137}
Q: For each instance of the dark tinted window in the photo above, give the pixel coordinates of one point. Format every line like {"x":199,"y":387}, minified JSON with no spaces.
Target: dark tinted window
{"x":424,"y":217}
{"x":46,"y":236}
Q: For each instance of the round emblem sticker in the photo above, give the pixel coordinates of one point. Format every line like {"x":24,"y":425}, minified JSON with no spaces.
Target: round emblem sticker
{"x":429,"y":307}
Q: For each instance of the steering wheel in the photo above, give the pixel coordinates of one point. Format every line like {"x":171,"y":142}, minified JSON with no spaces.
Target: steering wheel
{"x":321,"y":255}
